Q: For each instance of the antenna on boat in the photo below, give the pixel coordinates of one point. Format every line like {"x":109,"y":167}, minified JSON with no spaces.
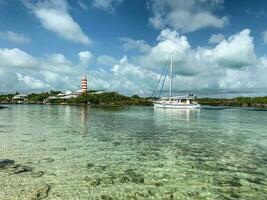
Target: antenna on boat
{"x":171,"y":73}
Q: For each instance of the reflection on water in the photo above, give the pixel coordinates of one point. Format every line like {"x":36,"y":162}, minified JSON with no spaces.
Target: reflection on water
{"x":83,"y":119}
{"x":132,"y":153}
{"x":179,"y":114}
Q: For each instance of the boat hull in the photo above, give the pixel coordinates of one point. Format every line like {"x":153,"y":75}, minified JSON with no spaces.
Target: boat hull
{"x":177,"y":106}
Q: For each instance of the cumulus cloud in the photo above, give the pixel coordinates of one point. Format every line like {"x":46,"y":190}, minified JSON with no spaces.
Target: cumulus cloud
{"x":170,"y":42}
{"x":216,"y":38}
{"x":22,"y":71}
{"x":125,"y":77}
{"x":106,"y":60}
{"x":16,"y":58}
{"x":30,"y":82}
{"x":229,"y":65}
{"x":130,"y":44}
{"x":54,"y":16}
{"x":186,"y":16}
{"x":106,"y":5}
{"x":85,"y":57}
{"x":235,"y":52}
{"x":14,"y":37}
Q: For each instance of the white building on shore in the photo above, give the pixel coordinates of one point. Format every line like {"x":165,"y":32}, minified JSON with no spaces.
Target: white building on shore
{"x":72,"y":94}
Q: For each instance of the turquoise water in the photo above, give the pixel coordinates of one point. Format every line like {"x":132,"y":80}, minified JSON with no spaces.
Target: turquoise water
{"x":68,"y":152}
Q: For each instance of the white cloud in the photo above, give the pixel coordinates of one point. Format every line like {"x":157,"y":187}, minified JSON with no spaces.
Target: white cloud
{"x":105,"y":60}
{"x":31,"y":83}
{"x":54,"y":16}
{"x":229,"y":65}
{"x":85,"y":57}
{"x":107,"y":5}
{"x":8,"y":80}
{"x":125,"y":77}
{"x":216,"y":38}
{"x":14,"y":37}
{"x":56,"y":63}
{"x":170,"y":41}
{"x":16,"y":58}
{"x":236,"y":52}
{"x":21,"y":71}
{"x":186,"y":16}
{"x":264,"y":37}
{"x":130,"y":44}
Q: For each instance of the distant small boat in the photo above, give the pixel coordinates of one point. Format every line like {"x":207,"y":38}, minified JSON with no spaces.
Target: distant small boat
{"x":178,"y":102}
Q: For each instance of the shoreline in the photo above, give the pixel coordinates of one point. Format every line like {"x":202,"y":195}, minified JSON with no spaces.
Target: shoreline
{"x":129,"y":105}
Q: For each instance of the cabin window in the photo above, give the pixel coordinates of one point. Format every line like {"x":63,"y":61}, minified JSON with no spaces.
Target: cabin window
{"x":183,"y":100}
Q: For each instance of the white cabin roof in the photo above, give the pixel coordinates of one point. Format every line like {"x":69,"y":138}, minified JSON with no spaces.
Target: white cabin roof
{"x":179,"y":97}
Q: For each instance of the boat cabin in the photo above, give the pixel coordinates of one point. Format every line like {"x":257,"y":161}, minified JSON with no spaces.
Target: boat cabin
{"x":180,"y":99}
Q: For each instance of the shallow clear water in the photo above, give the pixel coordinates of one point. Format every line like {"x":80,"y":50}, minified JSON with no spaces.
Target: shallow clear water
{"x":133,"y":153}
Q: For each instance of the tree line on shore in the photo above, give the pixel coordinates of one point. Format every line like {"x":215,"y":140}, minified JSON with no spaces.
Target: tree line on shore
{"x":106,"y":98}
{"x":115,"y":98}
{"x":238,"y":101}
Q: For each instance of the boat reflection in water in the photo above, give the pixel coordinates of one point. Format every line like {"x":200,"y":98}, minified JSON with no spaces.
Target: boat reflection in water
{"x":178,"y":114}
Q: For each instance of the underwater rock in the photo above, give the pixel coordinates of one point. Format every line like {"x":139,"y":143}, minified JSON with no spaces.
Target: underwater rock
{"x":107,"y":180}
{"x":5,"y":163}
{"x":42,"y":192}
{"x":158,"y":184}
{"x":63,"y":149}
{"x":124,"y":179}
{"x":130,"y":175}
{"x":235,"y":195}
{"x":59,"y":149}
{"x":152,"y":191}
{"x":21,"y":169}
{"x":193,"y":193}
{"x":95,"y":182}
{"x":160,"y":165}
{"x":37,"y":174}
{"x":87,"y":178}
{"x":101,"y":168}
{"x":90,"y":165}
{"x":106,"y":197}
{"x":116,"y":143}
{"x":228,"y":181}
{"x":47,"y":160}
{"x":235,"y":182}
{"x":256,"y":180}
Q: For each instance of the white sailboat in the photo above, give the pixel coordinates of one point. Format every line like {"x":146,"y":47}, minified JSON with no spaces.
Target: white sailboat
{"x":176,"y":102}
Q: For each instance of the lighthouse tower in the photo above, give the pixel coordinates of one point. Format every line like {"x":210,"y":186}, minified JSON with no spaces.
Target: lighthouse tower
{"x":84,"y":84}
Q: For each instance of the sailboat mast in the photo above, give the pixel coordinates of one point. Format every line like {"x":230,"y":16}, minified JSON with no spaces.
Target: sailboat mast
{"x":170,"y":91}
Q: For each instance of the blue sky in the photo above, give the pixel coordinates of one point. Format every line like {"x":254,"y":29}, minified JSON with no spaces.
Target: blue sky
{"x":219,"y":46}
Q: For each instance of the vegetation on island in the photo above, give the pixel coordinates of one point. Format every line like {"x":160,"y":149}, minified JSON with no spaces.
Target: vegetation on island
{"x":93,"y":98}
{"x":238,"y":101}
{"x":107,"y":98}
{"x":116,"y":99}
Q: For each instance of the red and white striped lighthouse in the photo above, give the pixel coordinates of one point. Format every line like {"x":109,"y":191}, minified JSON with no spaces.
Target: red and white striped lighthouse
{"x":84,"y":84}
